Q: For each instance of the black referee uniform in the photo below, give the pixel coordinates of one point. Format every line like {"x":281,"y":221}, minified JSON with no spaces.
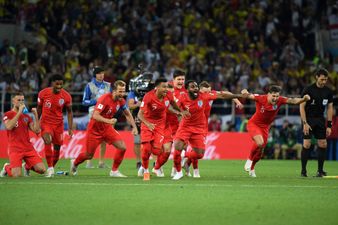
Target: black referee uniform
{"x":314,"y":110}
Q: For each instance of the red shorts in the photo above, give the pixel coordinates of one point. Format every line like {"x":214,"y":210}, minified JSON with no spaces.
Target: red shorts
{"x":196,"y":140}
{"x":255,"y":130}
{"x":94,"y":139}
{"x":30,"y":156}
{"x":168,"y":137}
{"x":56,"y":131}
{"x":155,"y":136}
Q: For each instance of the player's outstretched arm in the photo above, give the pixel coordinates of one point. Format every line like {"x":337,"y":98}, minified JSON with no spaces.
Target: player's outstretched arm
{"x":130,"y":120}
{"x":297,"y":101}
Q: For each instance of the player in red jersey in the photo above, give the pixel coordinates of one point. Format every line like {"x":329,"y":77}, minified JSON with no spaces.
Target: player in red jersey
{"x":152,"y":114}
{"x":100,"y":128}
{"x":51,"y":102}
{"x":204,"y":87}
{"x":192,"y":129}
{"x":19,"y":146}
{"x":267,"y":107}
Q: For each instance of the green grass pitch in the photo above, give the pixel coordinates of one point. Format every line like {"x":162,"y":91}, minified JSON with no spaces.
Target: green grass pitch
{"x":224,"y":194}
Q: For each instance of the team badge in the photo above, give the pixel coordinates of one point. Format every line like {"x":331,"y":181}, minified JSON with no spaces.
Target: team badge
{"x":61,"y":101}
{"x":200,"y":103}
{"x":274,"y":107}
{"x":210,"y":103}
{"x":25,"y":120}
{"x":117,"y":107}
{"x":166,"y":103}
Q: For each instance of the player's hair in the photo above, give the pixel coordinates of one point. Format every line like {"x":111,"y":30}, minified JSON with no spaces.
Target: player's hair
{"x":118,"y":83}
{"x":322,"y":71}
{"x":204,"y":84}
{"x":274,"y":89}
{"x":178,"y":72}
{"x":186,"y":85}
{"x":56,"y":77}
{"x":18,"y":93}
{"x":160,"y":80}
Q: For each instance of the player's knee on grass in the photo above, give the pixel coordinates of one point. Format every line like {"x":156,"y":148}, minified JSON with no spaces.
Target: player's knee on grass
{"x":16,"y":172}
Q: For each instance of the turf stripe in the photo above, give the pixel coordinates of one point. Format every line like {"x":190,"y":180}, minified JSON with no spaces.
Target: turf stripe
{"x":172,"y":184}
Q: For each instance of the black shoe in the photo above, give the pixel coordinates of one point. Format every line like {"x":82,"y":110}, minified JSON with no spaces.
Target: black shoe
{"x":303,"y":174}
{"x":321,"y":174}
{"x":138,"y":165}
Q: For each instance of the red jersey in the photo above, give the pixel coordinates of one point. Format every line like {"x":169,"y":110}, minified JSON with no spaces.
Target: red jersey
{"x":171,"y":117}
{"x":155,"y":109}
{"x":107,"y":107}
{"x":52,"y":105}
{"x":196,"y":122}
{"x":18,"y":137}
{"x":266,"y":112}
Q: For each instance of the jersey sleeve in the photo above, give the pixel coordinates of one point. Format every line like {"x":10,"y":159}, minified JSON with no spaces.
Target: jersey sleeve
{"x":68,"y":100}
{"x":305,"y":91}
{"x":258,"y":98}
{"x":40,"y":98}
{"x":101,"y":104}
{"x":210,"y":96}
{"x":7,"y":116}
{"x":123,"y":104}
{"x":330,"y":98}
{"x":282,"y":100}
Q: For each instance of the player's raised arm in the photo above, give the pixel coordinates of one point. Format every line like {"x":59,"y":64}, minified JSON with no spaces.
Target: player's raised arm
{"x":35,"y":126}
{"x":247,"y":95}
{"x":10,"y":123}
{"x":297,"y":101}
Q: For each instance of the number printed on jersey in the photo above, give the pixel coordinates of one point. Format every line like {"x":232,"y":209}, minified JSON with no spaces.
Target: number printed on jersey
{"x":100,"y":106}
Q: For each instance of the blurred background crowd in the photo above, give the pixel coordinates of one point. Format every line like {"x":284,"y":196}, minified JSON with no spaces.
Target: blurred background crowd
{"x":233,"y":44}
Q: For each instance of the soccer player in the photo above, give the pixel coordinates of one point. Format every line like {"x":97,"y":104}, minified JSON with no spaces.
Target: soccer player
{"x":192,"y":129}
{"x":267,"y":107}
{"x":20,"y":148}
{"x":204,"y":87}
{"x":153,"y":117}
{"x":93,"y":90}
{"x":312,"y":115}
{"x":100,"y":128}
{"x":51,"y":102}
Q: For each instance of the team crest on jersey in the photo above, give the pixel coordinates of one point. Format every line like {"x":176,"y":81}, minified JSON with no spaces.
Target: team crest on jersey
{"x":25,"y":120}
{"x":200,"y":103}
{"x":61,"y":101}
{"x":274,"y":107}
{"x":210,"y":103}
{"x":117,"y":108}
{"x":166,"y":103}
{"x":48,"y":104}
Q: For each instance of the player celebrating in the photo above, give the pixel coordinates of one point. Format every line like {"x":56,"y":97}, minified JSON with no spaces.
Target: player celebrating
{"x":93,"y":90}
{"x":19,"y":146}
{"x":204,"y":87}
{"x":51,"y":102}
{"x":192,"y":129}
{"x":100,"y":128}
{"x":314,"y":121}
{"x":153,"y":117}
{"x":267,"y":107}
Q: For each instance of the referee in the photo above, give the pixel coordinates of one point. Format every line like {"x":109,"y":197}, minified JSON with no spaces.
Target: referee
{"x":312,"y":115}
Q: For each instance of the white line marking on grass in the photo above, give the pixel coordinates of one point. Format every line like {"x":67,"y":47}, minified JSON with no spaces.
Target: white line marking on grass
{"x":172,"y":184}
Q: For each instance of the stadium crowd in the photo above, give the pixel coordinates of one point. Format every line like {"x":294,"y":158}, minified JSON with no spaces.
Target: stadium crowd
{"x":232,"y":44}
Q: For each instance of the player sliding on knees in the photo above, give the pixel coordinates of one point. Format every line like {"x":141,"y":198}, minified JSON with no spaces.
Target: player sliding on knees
{"x":100,"y":128}
{"x":267,"y":107}
{"x":192,"y":129}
